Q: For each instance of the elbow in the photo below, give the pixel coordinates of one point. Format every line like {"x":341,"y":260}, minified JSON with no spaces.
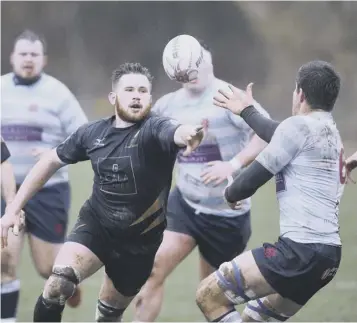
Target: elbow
{"x":51,"y":159}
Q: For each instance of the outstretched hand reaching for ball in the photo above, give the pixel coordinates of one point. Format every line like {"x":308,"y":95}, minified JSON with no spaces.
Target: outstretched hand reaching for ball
{"x":236,"y":101}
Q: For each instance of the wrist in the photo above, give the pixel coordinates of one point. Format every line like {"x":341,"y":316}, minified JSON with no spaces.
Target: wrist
{"x":235,"y":163}
{"x":11,"y":207}
{"x":226,"y":195}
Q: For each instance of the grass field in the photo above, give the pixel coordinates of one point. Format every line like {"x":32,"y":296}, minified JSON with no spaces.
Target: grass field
{"x":337,"y":302}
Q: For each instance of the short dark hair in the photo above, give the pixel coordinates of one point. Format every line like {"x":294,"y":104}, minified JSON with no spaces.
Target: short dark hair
{"x":320,"y":84}
{"x":33,"y":37}
{"x":130,"y":68}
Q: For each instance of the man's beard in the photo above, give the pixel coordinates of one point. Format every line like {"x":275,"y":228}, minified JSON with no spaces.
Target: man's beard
{"x":129,"y":115}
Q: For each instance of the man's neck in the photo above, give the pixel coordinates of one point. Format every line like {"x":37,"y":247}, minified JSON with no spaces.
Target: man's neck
{"x":120,"y":123}
{"x":18,"y":80}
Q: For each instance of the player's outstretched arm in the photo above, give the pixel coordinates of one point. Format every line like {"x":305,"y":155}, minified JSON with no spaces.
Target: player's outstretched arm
{"x":285,"y":144}
{"x":188,"y":136}
{"x":48,"y":164}
{"x":242,"y":103}
{"x":247,"y":182}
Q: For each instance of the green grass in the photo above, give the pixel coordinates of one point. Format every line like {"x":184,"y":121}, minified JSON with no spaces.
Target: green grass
{"x":336,"y":302}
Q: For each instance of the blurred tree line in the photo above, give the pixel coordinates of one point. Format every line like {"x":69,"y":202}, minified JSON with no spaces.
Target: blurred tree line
{"x":263,"y":42}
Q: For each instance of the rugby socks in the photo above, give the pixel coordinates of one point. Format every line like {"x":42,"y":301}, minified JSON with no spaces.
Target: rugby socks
{"x":9,"y":299}
{"x":46,"y":311}
{"x":231,"y":316}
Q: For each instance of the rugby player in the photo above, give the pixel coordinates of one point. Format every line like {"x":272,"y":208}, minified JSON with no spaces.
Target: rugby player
{"x":305,"y":153}
{"x":37,"y":113}
{"x":121,"y":225}
{"x":197,"y":213}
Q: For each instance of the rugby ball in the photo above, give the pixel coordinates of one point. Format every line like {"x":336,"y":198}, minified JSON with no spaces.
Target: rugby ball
{"x":181,"y":58}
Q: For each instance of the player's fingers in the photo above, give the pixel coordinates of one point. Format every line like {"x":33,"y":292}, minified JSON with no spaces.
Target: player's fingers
{"x":188,"y":139}
{"x":220,"y":105}
{"x":210,"y":179}
{"x":199,"y":128}
{"x":16,"y":230}
{"x":4,"y":232}
{"x":219,"y":181}
{"x":220,"y":99}
{"x":22,"y":219}
{"x":250,"y":89}
{"x":225,"y":94}
{"x":211,"y":163}
{"x":235,"y":91}
{"x":205,"y":177}
{"x":188,"y":150}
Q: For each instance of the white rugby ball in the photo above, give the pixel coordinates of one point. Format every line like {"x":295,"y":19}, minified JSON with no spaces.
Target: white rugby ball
{"x":182,"y":57}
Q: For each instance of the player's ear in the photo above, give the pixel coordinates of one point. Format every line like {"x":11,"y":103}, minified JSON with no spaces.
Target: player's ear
{"x":12,"y":58}
{"x":302,"y":96}
{"x":111,"y":97}
{"x":45,"y":61}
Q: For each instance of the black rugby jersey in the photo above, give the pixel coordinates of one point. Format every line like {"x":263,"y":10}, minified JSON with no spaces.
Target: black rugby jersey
{"x":132,"y":171}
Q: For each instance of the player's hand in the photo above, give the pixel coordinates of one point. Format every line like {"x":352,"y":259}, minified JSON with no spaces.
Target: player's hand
{"x":38,"y":152}
{"x":235,"y":205}
{"x":236,"y":101}
{"x":217,"y":171}
{"x":11,"y":220}
{"x":351,"y":164}
{"x":192,"y":139}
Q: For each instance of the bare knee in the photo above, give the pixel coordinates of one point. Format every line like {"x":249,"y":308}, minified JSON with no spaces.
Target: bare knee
{"x":61,"y":285}
{"x":8,"y":267}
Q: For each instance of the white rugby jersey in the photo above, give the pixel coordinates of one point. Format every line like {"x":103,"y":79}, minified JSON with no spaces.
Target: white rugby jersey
{"x":225,"y":136}
{"x":306,"y":156}
{"x":41,"y":115}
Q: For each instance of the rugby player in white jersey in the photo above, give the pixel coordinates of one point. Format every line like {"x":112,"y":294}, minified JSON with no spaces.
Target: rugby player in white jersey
{"x":197,"y":212}
{"x":305,"y":153}
{"x":37,"y":113}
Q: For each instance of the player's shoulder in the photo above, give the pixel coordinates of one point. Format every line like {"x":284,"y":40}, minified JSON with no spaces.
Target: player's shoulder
{"x":219,"y":84}
{"x":93,"y":127}
{"x":296,"y":126}
{"x":7,"y":79}
{"x":166,"y":102}
{"x":297,"y":120}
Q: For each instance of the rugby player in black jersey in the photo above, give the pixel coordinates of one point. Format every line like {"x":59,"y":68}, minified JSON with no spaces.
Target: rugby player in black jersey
{"x":121,"y":225}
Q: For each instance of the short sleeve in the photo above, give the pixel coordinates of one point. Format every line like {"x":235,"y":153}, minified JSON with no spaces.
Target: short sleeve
{"x":287,"y":141}
{"x":74,"y":148}
{"x":5,"y":153}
